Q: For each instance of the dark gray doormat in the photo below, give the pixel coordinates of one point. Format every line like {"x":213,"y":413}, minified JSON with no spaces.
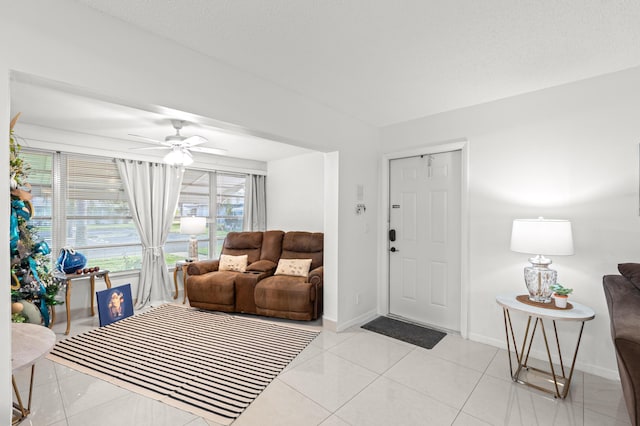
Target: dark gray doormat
{"x":410,"y":333}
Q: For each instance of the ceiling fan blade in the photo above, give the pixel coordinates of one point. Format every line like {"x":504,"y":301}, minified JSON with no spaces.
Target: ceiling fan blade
{"x":214,"y":151}
{"x":150,"y":139}
{"x":194,"y":140}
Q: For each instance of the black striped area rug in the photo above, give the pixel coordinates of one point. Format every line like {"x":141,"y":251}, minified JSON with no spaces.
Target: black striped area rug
{"x":208,"y":363}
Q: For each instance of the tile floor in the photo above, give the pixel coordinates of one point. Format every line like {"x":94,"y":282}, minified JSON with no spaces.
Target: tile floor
{"x":351,"y":378}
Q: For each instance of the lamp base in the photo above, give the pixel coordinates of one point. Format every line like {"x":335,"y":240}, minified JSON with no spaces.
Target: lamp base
{"x":539,"y":279}
{"x":193,"y":248}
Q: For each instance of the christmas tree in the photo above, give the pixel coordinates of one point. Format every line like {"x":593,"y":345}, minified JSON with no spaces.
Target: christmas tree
{"x":31,"y":280}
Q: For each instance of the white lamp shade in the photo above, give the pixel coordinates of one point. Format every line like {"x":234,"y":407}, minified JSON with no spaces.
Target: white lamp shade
{"x":178,"y":157}
{"x":192,"y":225}
{"x":542,"y":236}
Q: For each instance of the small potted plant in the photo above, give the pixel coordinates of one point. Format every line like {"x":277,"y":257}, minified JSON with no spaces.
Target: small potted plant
{"x":560,"y":295}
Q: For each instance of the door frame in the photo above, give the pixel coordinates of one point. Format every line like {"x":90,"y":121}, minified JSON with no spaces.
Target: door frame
{"x":384,"y":220}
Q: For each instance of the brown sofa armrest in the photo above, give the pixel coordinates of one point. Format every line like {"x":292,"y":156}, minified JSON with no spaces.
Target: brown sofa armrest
{"x":263,"y":266}
{"x":202,"y":267}
{"x":316,"y":276}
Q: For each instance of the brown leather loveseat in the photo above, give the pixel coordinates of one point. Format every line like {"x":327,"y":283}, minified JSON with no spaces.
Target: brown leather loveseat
{"x":622,"y":293}
{"x":266,"y":286}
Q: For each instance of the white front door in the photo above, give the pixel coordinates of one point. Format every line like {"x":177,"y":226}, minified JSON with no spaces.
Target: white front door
{"x":424,"y":253}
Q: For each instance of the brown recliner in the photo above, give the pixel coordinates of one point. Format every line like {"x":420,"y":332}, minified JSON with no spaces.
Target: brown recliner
{"x":258,"y":290}
{"x":230,"y":291}
{"x":294,"y":297}
{"x":622,"y":293}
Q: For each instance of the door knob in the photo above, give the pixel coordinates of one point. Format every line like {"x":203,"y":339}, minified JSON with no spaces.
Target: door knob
{"x":393,"y":249}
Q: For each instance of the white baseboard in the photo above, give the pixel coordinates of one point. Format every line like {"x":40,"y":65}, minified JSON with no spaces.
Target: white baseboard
{"x":357,"y":321}
{"x":329,"y":324}
{"x":596,"y":370}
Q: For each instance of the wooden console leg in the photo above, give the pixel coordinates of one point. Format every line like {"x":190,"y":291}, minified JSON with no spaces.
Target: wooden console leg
{"x":67,"y":301}
{"x":92,"y":279}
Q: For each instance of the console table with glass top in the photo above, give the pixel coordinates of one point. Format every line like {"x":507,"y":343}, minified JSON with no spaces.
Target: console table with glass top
{"x":557,"y":381}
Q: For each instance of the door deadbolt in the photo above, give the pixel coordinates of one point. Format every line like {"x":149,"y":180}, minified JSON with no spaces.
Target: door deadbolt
{"x":393,"y":249}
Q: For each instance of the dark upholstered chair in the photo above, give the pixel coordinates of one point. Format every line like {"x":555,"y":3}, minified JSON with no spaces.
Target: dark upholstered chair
{"x":623,"y":300}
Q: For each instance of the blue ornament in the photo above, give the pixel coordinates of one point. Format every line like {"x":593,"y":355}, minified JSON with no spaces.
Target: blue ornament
{"x":13,"y":231}
{"x":42,"y":247}
{"x":21,"y":209}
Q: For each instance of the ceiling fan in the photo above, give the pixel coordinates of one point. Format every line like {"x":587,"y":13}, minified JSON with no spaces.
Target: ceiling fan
{"x":180,"y":146}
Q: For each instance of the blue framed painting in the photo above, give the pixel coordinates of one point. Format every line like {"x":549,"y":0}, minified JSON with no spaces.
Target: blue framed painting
{"x":114,"y":304}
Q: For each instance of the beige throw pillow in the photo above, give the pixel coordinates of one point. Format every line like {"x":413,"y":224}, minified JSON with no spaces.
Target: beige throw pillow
{"x":295,"y":267}
{"x":232,"y":263}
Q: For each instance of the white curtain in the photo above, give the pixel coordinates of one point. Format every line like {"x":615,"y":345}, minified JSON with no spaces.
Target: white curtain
{"x":255,"y":203}
{"x":152,"y":191}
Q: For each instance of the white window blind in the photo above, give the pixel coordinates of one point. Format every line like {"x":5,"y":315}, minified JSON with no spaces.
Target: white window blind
{"x":80,"y":202}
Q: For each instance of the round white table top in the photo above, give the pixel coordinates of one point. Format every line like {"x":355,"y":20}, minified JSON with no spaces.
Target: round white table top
{"x":578,"y":313}
{"x":29,"y":343}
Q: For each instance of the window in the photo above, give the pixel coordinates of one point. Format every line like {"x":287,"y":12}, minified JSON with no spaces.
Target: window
{"x":230,"y":204}
{"x":195,"y":200}
{"x":98,"y":221}
{"x":79,"y":202}
{"x":40,"y":177}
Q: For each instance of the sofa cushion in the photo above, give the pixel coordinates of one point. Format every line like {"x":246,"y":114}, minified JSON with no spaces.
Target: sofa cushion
{"x":271,"y":246}
{"x":215,"y":288}
{"x":233,"y":263}
{"x":285,"y":293}
{"x":295,"y":267}
{"x":262,"y":266}
{"x":303,"y":245}
{"x":631,"y":271}
{"x":239,"y":243}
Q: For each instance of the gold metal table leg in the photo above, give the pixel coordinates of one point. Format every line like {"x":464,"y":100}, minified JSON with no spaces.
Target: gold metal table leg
{"x":573,"y":362}
{"x":21,"y":411}
{"x":560,"y":381}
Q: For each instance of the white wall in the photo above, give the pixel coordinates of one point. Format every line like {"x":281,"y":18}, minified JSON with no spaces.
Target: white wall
{"x":72,"y":44}
{"x":331,"y":223}
{"x":5,"y":300}
{"x":569,"y":152}
{"x":295,"y":193}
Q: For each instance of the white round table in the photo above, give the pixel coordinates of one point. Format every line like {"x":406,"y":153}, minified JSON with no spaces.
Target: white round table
{"x":29,"y":343}
{"x":525,"y":374}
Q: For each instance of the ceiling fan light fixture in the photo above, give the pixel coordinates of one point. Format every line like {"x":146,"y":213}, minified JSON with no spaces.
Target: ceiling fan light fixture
{"x":178,"y":157}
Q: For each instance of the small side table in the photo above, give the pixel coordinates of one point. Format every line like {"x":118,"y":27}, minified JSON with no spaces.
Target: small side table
{"x":558,"y":382}
{"x":182,"y":265}
{"x":69,"y":278}
{"x":29,"y":343}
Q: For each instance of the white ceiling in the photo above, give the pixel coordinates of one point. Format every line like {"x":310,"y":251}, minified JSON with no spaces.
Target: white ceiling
{"x":388,"y":61}
{"x":50,"y":105}
{"x":380,"y":61}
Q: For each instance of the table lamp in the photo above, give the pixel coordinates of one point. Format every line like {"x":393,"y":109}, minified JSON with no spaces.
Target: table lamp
{"x":193,"y":226}
{"x":541,"y":237}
